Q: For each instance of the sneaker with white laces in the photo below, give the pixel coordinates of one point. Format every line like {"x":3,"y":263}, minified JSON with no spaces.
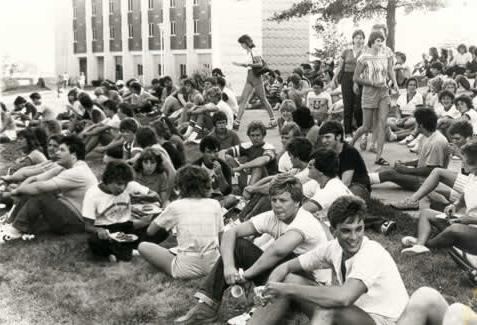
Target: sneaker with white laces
{"x":10,"y":233}
{"x":415,"y":250}
{"x":406,"y":204}
{"x":409,"y":241}
{"x":200,"y":314}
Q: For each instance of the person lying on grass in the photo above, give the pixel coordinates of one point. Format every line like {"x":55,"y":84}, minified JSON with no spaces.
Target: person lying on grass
{"x":294,"y":230}
{"x":460,"y":133}
{"x":365,"y":272}
{"x":107,"y":211}
{"x":199,"y":225}
{"x":52,"y":202}
{"x":455,"y":230}
{"x":434,"y":153}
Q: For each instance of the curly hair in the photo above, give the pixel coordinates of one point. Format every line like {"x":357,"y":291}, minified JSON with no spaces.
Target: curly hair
{"x":326,"y":161}
{"x":193,"y":182}
{"x":285,"y":183}
{"x":463,"y":128}
{"x":287,"y":105}
{"x":257,"y":125}
{"x":348,"y":207}
{"x":36,"y":139}
{"x":470,"y":151}
{"x":300,"y":147}
{"x":145,"y":137}
{"x":464,"y":99}
{"x":149,"y":154}
{"x":117,"y":172}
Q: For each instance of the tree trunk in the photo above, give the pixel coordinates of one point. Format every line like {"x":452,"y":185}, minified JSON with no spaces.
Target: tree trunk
{"x":391,"y":23}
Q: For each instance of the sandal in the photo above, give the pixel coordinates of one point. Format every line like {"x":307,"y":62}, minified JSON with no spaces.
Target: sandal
{"x":272,"y":124}
{"x":382,"y":162}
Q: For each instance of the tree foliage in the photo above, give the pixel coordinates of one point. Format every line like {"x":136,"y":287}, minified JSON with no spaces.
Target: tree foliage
{"x":334,"y":10}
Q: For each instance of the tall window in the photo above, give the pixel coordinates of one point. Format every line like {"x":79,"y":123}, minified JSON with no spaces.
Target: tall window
{"x":172,"y":3}
{"x":159,"y":69}
{"x":196,"y":2}
{"x":130,"y":5}
{"x":196,"y":26}
{"x":210,"y":26}
{"x":95,"y":34}
{"x":130,"y":31}
{"x":183,"y":69}
{"x":75,"y":35}
{"x":151,"y":4}
{"x":111,"y":7}
{"x":173,"y":28}
{"x":151,"y":30}
{"x":112,"y":32}
{"x":75,"y":12}
{"x":93,"y":8}
{"x":139,"y":70}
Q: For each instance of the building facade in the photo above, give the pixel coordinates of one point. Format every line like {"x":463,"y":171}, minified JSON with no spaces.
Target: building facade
{"x":123,"y":39}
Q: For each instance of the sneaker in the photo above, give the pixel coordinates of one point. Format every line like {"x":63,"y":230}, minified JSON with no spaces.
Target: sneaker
{"x":406,"y":204}
{"x":415,"y":250}
{"x":10,"y":233}
{"x":241,"y":319}
{"x":409,"y":241}
{"x":388,"y":227}
{"x":112,"y":258}
{"x":200,"y":314}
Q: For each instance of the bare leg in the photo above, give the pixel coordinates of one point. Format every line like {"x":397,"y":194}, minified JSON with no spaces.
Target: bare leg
{"x":424,"y":227}
{"x":260,"y":90}
{"x":438,"y":175}
{"x":244,"y":98}
{"x":158,"y":256}
{"x":459,"y":235}
{"x":425,"y":307}
{"x":380,"y":128}
{"x":367,"y":125}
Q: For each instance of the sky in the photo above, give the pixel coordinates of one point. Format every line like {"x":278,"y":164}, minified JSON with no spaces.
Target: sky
{"x":27,"y":30}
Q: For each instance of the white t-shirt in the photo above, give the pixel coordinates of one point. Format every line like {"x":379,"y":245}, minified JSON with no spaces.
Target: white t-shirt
{"x":408,"y":108}
{"x":320,"y":102}
{"x":106,"y":209}
{"x":469,"y":196}
{"x":284,"y":163}
{"x":471,"y":114}
{"x":232,"y":99}
{"x":373,"y":265}
{"x":325,"y":196}
{"x":112,"y":122}
{"x":198,"y":223}
{"x":227,"y":110}
{"x":453,"y":112}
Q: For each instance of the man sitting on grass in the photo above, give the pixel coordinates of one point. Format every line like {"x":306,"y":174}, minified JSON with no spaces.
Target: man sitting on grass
{"x":460,"y":133}
{"x":295,"y":232}
{"x":434,"y":153}
{"x":53,"y":203}
{"x":227,"y":138}
{"x":456,"y":230}
{"x":370,"y":289}
{"x":256,"y":158}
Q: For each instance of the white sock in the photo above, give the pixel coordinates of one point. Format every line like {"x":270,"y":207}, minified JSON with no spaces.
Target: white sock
{"x":374,"y":178}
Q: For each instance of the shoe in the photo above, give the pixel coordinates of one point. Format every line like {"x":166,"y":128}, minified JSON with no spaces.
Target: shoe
{"x":363,"y":143}
{"x":415,"y":250}
{"x":241,"y":319}
{"x":388,"y":227}
{"x":200,"y":314}
{"x":112,"y":258}
{"x":373,"y":148}
{"x":406,"y":204}
{"x":9,"y":233}
{"x":454,"y":157}
{"x":409,"y":241}
{"x":382,"y":162}
{"x":407,"y":139}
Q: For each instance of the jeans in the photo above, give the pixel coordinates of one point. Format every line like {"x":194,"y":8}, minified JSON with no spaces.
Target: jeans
{"x":46,"y":213}
{"x":245,"y":255}
{"x":351,"y":103}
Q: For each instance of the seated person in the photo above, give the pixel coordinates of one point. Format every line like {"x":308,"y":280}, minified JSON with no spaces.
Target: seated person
{"x":151,"y":173}
{"x":318,"y":100}
{"x":43,"y":112}
{"x":404,"y":123}
{"x":446,"y":111}
{"x":50,"y":201}
{"x":172,"y":143}
{"x":107,"y":210}
{"x":228,"y":95}
{"x":198,"y":233}
{"x":227,"y":138}
{"x":34,"y":142}
{"x":23,"y":112}
{"x":323,"y":169}
{"x":460,"y":133}
{"x":121,"y":148}
{"x":104,"y":131}
{"x":256,"y":158}
{"x":288,"y":132}
{"x":302,"y":116}
{"x":295,"y":90}
{"x":295,"y":232}
{"x":401,"y":69}
{"x":365,"y":274}
{"x":219,"y":172}
{"x":287,"y":107}
{"x":427,"y":306}
{"x":434,"y":153}
{"x":455,"y":230}
{"x":273,"y":87}
{"x":299,"y":150}
{"x":141,"y":100}
{"x":464,"y":105}
{"x":99,"y":95}
{"x":8,"y":130}
{"x":352,"y":169}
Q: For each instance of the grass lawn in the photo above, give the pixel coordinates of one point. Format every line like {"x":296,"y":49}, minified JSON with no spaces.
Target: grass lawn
{"x":55,"y":280}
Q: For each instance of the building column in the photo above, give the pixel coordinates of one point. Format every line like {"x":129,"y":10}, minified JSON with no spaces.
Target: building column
{"x":109,"y":68}
{"x":191,"y":55}
{"x":92,"y":65}
{"x":147,"y":62}
{"x":128,"y":69}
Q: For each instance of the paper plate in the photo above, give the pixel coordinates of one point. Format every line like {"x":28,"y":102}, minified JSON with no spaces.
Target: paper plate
{"x":148,"y":208}
{"x":122,"y":237}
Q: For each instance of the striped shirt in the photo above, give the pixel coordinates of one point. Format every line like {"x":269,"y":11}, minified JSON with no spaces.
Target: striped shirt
{"x":375,"y":66}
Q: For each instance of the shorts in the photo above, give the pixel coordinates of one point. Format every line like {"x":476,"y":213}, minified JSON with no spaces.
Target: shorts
{"x":458,"y":188}
{"x":252,"y":79}
{"x":185,"y":266}
{"x":382,"y":320}
{"x":373,"y":97}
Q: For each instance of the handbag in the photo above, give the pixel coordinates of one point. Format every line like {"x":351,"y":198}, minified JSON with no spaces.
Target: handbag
{"x":260,"y":70}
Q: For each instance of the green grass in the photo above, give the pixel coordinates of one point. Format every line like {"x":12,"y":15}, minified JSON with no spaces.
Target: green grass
{"x":55,"y":280}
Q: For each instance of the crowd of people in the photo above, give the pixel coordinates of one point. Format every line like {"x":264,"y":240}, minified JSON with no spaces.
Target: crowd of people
{"x":290,"y":220}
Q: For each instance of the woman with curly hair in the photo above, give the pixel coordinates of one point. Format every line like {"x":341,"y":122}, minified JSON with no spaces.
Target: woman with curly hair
{"x":34,"y":147}
{"x":199,"y":223}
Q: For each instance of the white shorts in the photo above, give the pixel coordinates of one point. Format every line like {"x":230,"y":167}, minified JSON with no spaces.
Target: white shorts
{"x":185,"y":266}
{"x":459,"y":185}
{"x":382,"y":320}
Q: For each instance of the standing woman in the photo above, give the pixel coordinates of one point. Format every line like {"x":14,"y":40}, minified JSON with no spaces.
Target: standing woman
{"x":372,"y":72}
{"x":344,"y":76}
{"x":254,"y":81}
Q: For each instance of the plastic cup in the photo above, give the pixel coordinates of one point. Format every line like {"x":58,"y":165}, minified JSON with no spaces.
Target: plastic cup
{"x":236,"y":291}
